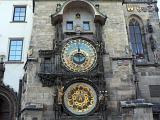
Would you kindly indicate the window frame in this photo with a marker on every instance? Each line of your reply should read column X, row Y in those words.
column 14, row 12
column 10, row 41
column 67, row 25
column 88, row 26
column 136, row 42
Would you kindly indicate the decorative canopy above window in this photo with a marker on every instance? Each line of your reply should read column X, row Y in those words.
column 58, row 16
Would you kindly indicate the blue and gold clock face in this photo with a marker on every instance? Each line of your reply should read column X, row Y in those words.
column 79, row 55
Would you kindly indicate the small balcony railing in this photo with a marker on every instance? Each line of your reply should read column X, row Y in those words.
column 49, row 72
column 49, row 68
column 58, row 70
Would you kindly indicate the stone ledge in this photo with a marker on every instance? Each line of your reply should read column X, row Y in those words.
column 14, row 62
column 147, row 65
column 33, row 107
column 135, row 103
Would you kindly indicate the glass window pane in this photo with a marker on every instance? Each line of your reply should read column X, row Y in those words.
column 132, row 37
column 69, row 25
column 15, row 50
column 13, row 42
column 131, row 29
column 86, row 26
column 19, row 42
column 18, row 52
column 12, row 53
column 140, row 47
column 19, row 48
column 21, row 19
column 137, row 29
column 134, row 48
column 22, row 14
column 23, row 9
column 18, row 58
column 139, row 38
column 16, row 18
column 16, row 14
column 139, row 44
column 17, row 9
column 135, row 37
column 19, row 14
column 12, row 57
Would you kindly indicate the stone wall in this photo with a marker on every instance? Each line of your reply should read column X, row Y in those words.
column 117, row 60
column 148, row 76
column 114, row 31
column 42, row 39
column 139, row 113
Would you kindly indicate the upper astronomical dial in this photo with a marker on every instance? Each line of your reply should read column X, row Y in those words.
column 79, row 55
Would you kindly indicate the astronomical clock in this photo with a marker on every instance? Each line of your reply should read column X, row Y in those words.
column 75, row 65
column 79, row 55
column 80, row 98
column 79, row 58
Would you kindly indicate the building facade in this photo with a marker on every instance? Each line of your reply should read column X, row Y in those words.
column 15, row 35
column 93, row 60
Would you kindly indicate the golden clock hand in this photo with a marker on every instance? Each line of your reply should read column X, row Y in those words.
column 78, row 48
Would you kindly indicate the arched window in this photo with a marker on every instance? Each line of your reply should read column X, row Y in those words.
column 136, row 38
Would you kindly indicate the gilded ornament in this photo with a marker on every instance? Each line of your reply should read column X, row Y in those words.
column 80, row 98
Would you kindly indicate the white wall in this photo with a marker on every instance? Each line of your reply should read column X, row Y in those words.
column 159, row 7
column 9, row 29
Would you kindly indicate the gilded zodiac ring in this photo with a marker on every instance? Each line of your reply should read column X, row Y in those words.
column 80, row 98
